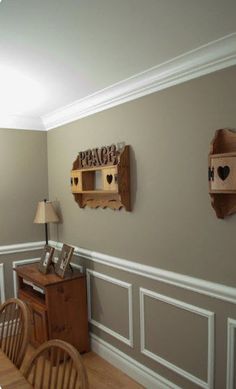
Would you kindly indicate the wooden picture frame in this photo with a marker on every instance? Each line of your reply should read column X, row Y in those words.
column 46, row 259
column 64, row 260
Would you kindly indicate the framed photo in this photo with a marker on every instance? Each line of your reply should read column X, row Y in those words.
column 64, row 260
column 46, row 259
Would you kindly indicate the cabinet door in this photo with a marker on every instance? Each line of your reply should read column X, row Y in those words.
column 67, row 313
column 39, row 333
column 38, row 319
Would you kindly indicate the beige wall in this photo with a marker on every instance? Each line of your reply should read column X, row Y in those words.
column 23, row 177
column 172, row 225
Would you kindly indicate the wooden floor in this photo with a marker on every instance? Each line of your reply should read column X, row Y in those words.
column 101, row 374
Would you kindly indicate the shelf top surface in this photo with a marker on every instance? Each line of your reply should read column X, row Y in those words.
column 31, row 273
column 94, row 168
column 97, row 191
column 223, row 155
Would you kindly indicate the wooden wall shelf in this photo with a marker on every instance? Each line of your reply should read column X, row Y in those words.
column 105, row 185
column 222, row 172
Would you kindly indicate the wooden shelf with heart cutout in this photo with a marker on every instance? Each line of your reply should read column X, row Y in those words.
column 222, row 172
column 101, row 178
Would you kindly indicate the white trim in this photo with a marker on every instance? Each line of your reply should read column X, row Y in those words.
column 208, row 58
column 191, row 308
column 208, row 288
column 140, row 373
column 122, row 284
column 2, row 284
column 76, row 266
column 230, row 353
column 19, row 122
column 213, row 56
column 21, row 247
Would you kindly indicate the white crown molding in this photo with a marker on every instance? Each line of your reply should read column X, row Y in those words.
column 2, row 284
column 18, row 122
column 21, row 247
column 140, row 373
column 122, row 284
column 209, row 384
column 213, row 56
column 208, row 288
column 205, row 59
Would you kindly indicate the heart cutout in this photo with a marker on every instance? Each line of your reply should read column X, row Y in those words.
column 76, row 180
column 71, row 181
column 109, row 178
column 223, row 172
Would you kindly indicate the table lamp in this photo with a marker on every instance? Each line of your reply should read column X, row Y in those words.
column 45, row 214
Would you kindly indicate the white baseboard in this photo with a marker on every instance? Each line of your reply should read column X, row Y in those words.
column 138, row 372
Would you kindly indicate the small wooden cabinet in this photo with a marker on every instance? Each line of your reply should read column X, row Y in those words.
column 58, row 306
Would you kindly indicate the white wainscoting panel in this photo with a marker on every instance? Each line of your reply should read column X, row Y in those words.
column 191, row 308
column 2, row 284
column 231, row 353
column 122, row 284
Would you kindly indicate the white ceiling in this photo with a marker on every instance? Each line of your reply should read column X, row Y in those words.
column 55, row 52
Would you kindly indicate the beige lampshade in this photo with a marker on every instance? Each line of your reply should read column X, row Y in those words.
column 45, row 213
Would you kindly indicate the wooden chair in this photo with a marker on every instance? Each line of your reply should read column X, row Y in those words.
column 56, row 364
column 14, row 330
